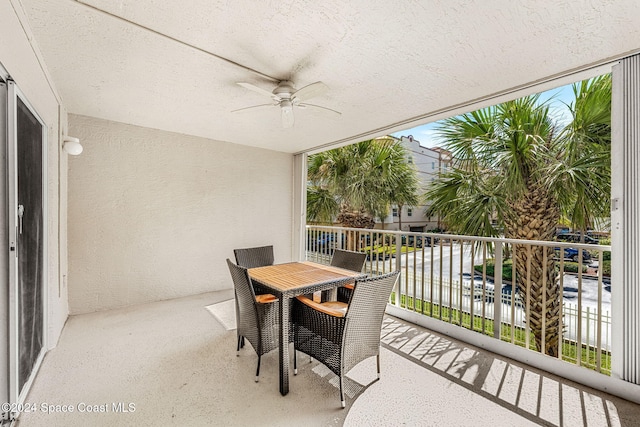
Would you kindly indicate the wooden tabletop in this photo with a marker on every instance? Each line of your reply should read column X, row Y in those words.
column 293, row 275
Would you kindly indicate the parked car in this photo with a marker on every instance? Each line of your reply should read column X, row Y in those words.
column 378, row 255
column 506, row 291
column 326, row 240
column 478, row 286
column 419, row 240
column 575, row 238
column 573, row 254
column 368, row 241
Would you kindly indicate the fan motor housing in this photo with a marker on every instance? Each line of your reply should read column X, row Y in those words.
column 284, row 89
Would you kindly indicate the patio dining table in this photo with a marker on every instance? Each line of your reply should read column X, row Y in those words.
column 289, row 280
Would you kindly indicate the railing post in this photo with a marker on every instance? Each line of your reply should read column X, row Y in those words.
column 398, row 268
column 497, row 289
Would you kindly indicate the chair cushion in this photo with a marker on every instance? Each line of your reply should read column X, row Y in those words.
column 317, row 296
column 332, row 308
column 266, row 298
column 336, row 305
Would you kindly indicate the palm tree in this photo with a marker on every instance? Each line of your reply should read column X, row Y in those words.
column 357, row 183
column 588, row 137
column 516, row 165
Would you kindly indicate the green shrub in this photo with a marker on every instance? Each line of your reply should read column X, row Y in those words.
column 606, row 268
column 572, row 267
column 507, row 273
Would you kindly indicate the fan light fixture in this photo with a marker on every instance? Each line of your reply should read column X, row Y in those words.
column 286, row 96
column 71, row 145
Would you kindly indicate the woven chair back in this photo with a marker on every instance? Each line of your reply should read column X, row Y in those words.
column 364, row 318
column 247, row 313
column 254, row 257
column 348, row 260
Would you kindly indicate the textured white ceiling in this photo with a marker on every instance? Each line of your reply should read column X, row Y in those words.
column 385, row 62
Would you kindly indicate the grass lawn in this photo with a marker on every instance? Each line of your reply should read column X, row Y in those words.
column 485, row 326
column 389, row 250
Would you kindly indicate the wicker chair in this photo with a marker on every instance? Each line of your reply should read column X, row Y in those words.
column 255, row 257
column 257, row 317
column 348, row 260
column 342, row 337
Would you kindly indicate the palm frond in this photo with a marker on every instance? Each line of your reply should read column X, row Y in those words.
column 367, row 176
column 322, row 206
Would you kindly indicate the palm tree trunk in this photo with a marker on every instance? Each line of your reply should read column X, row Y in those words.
column 354, row 219
column 535, row 216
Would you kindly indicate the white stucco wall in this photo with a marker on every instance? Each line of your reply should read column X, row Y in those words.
column 153, row 215
column 20, row 59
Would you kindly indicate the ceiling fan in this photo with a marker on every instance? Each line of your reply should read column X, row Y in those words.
column 286, row 96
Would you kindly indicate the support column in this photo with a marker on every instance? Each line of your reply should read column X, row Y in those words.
column 299, row 203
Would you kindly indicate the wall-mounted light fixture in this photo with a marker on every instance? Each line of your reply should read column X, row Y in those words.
column 71, row 145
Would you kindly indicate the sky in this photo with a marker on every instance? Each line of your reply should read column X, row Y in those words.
column 557, row 97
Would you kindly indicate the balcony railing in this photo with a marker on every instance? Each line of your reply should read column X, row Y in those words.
column 451, row 278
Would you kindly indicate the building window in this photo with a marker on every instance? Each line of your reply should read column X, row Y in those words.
column 433, row 165
column 394, row 211
column 409, row 212
column 409, row 159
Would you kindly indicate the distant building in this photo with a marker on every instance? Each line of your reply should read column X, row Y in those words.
column 429, row 163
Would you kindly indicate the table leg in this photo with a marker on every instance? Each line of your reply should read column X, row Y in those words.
column 284, row 345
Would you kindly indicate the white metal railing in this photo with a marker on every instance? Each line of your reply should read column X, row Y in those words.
column 447, row 277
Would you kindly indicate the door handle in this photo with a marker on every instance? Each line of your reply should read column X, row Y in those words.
column 20, row 215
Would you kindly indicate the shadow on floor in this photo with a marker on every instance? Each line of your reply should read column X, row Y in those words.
column 533, row 394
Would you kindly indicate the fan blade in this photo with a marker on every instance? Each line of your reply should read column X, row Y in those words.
column 326, row 111
column 258, row 90
column 309, row 91
column 254, row 107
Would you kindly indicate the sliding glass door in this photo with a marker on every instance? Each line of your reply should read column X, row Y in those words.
column 4, row 259
column 26, row 234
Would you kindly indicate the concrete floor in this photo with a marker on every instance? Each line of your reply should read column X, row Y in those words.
column 173, row 363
